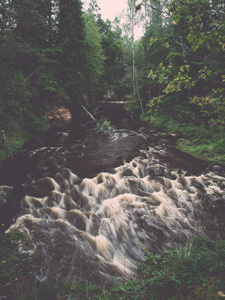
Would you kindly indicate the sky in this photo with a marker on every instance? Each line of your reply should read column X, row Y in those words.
column 112, row 8
column 109, row 8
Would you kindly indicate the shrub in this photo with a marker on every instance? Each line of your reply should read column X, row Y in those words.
column 103, row 125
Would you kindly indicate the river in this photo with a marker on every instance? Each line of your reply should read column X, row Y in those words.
column 87, row 201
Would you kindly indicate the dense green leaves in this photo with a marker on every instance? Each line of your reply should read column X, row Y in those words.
column 190, row 66
column 95, row 57
column 52, row 53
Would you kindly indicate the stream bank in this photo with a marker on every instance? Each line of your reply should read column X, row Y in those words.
column 89, row 199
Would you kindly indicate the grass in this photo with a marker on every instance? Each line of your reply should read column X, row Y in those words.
column 196, row 139
column 195, row 271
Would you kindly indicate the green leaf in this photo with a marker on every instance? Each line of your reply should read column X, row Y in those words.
column 190, row 37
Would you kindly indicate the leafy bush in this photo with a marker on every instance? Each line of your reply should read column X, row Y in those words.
column 103, row 125
column 186, row 271
column 34, row 125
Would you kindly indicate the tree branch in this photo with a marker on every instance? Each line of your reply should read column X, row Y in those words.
column 144, row 2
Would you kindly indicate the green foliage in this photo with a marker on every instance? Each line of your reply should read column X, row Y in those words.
column 111, row 42
column 51, row 53
column 197, row 139
column 212, row 106
column 95, row 57
column 132, row 105
column 195, row 271
column 11, row 258
column 15, row 143
column 186, row 271
column 184, row 67
column 35, row 126
column 103, row 125
column 83, row 290
column 204, row 21
column 11, row 143
column 72, row 59
column 42, row 291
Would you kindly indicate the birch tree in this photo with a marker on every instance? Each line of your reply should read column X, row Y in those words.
column 133, row 19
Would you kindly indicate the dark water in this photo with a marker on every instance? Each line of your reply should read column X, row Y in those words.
column 88, row 201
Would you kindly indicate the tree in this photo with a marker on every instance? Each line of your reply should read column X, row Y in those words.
column 111, row 42
column 152, row 48
column 20, row 52
column 95, row 57
column 94, row 10
column 73, row 64
column 132, row 20
column 193, row 71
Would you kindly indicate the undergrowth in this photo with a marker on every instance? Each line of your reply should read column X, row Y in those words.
column 196, row 138
column 195, row 271
column 103, row 125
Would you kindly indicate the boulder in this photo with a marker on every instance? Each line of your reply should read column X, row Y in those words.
column 127, row 172
column 155, row 171
column 6, row 195
column 218, row 170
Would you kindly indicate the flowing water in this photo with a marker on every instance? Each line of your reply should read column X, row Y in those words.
column 91, row 202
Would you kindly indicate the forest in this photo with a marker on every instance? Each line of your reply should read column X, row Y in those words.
column 54, row 53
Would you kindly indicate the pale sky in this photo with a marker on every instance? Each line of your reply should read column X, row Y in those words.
column 112, row 8
column 109, row 8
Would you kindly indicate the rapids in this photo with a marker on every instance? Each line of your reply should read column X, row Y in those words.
column 91, row 202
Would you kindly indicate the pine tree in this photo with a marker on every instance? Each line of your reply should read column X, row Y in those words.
column 95, row 57
column 73, row 69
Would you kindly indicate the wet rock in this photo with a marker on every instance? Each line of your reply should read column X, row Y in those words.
column 218, row 170
column 42, row 187
column 8, row 206
column 142, row 129
column 198, row 185
column 127, row 172
column 155, row 171
column 221, row 185
column 162, row 134
column 6, row 195
column 219, row 203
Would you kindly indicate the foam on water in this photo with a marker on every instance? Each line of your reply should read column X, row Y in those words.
column 93, row 228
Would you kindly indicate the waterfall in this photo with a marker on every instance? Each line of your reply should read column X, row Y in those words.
column 94, row 227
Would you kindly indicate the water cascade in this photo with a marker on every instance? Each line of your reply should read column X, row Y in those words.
column 94, row 227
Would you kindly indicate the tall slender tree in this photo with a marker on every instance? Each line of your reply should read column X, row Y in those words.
column 73, row 65
column 95, row 57
column 133, row 18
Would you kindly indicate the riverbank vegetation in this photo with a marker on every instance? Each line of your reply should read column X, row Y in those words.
column 174, row 73
column 53, row 53
column 180, row 70
column 195, row 271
